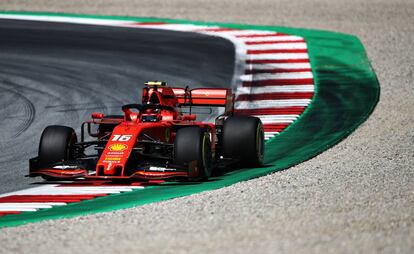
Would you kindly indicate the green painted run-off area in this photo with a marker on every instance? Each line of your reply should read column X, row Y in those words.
column 346, row 92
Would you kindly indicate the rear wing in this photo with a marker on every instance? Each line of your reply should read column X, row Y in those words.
column 211, row 97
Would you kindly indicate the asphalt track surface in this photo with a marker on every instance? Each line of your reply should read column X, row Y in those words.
column 357, row 197
column 55, row 73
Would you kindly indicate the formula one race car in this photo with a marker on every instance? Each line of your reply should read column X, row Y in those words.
column 153, row 140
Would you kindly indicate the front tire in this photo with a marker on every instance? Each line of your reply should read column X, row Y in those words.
column 192, row 144
column 56, row 145
column 243, row 139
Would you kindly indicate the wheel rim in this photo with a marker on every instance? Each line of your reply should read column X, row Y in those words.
column 205, row 155
column 259, row 142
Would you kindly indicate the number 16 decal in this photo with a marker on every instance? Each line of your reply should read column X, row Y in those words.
column 122, row 138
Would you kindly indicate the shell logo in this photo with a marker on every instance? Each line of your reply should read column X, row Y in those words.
column 118, row 147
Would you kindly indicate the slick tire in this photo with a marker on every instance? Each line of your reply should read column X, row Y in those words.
column 56, row 145
column 243, row 139
column 192, row 145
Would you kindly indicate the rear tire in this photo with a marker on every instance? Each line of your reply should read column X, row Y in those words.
column 56, row 145
column 193, row 144
column 243, row 139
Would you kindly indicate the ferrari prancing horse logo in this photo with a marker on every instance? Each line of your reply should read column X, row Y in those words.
column 167, row 135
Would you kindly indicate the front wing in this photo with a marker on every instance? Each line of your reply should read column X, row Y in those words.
column 148, row 172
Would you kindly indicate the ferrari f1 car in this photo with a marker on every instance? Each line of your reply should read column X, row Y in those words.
column 153, row 140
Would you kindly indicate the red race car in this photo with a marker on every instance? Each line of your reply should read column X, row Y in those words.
column 154, row 140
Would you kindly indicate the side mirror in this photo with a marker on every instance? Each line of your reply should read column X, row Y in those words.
column 191, row 117
column 96, row 115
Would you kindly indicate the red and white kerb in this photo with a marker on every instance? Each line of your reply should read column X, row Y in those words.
column 273, row 79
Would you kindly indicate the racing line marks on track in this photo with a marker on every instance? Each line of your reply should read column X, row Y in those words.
column 276, row 84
